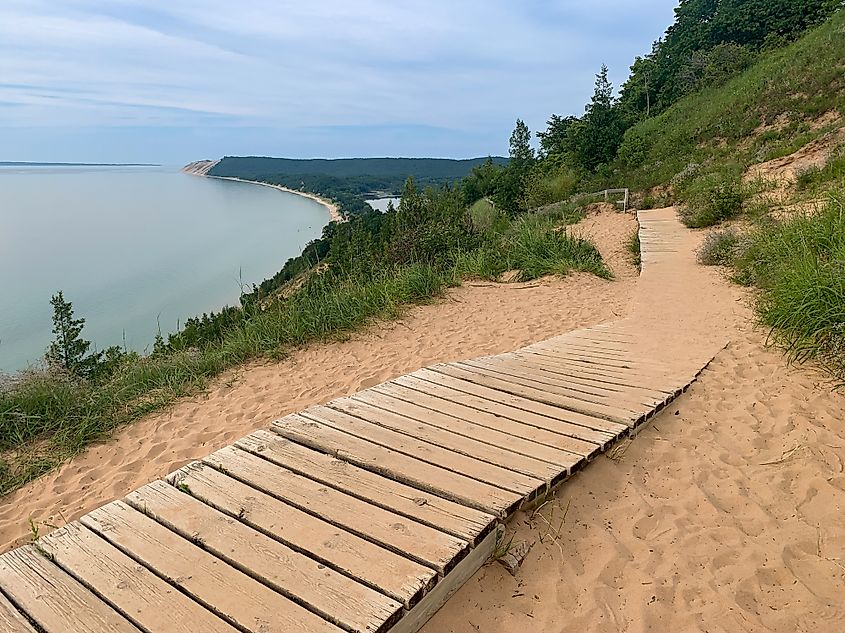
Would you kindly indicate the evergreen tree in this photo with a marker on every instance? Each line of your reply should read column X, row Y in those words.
column 521, row 152
column 599, row 133
column 68, row 350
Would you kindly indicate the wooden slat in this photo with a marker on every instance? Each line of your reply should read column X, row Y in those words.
column 386, row 397
column 335, row 597
column 404, row 536
column 630, row 377
column 229, row 593
column 594, row 350
column 536, row 429
column 11, row 620
column 422, row 446
column 408, row 470
column 429, row 605
column 592, row 395
column 629, row 399
column 580, row 376
column 447, row 516
column 586, row 337
column 152, row 604
column 574, row 423
column 52, row 598
column 445, row 438
column 535, row 414
column 641, row 368
column 517, row 388
column 368, row 563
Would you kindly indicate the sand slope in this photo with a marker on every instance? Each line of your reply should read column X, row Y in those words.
column 476, row 319
column 724, row 514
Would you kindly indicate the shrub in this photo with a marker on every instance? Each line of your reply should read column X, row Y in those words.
column 633, row 247
column 719, row 248
column 799, row 266
column 711, row 199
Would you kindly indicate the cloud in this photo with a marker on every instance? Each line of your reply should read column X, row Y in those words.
column 470, row 66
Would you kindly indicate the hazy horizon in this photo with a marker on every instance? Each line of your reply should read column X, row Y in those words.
column 144, row 81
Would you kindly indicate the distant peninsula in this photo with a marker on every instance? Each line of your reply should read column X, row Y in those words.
column 12, row 163
column 346, row 182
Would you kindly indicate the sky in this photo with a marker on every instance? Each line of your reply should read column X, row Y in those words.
column 171, row 81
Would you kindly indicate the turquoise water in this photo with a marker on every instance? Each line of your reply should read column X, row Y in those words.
column 134, row 248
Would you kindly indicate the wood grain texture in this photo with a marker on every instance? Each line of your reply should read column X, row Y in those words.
column 444, row 515
column 368, row 563
column 332, row 595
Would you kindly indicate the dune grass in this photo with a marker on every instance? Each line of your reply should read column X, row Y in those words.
column 48, row 417
column 799, row 266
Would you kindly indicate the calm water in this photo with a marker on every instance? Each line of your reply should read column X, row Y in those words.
column 133, row 247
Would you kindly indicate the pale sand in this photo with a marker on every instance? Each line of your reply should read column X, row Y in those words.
column 331, row 207
column 476, row 319
column 724, row 517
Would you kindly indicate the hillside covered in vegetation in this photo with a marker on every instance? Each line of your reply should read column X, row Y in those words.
column 349, row 181
column 733, row 87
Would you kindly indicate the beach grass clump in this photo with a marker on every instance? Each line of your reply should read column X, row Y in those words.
column 719, row 248
column 799, row 266
column 712, row 198
column 632, row 245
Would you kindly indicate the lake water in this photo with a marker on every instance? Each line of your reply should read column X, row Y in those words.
column 380, row 204
column 134, row 248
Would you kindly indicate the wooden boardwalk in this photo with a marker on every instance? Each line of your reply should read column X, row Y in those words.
column 367, row 513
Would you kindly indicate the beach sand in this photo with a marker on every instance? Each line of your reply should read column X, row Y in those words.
column 724, row 514
column 476, row 319
column 331, row 207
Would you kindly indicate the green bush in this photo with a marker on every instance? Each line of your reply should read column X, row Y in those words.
column 719, row 248
column 799, row 266
column 712, row 198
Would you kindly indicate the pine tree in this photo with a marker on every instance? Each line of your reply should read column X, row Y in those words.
column 68, row 350
column 521, row 152
column 599, row 133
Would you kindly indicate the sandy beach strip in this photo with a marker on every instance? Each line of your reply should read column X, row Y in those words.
column 333, row 209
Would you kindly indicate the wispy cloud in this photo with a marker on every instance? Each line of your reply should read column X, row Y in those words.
column 469, row 67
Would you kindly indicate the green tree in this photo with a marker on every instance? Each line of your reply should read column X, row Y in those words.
column 521, row 152
column 68, row 350
column 556, row 139
column 599, row 133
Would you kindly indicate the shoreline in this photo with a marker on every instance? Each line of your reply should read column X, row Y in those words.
column 331, row 207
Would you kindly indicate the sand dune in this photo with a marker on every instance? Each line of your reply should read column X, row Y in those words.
column 476, row 319
column 723, row 515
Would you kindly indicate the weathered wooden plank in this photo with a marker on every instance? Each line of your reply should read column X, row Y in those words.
column 586, row 337
column 394, row 575
column 596, row 395
column 625, row 397
column 428, row 606
column 11, row 620
column 147, row 600
column 581, row 376
column 419, row 542
column 523, row 424
column 446, row 439
column 52, row 598
column 231, row 594
column 408, row 470
column 447, row 516
column 497, row 403
column 593, row 350
column 585, row 426
column 630, row 376
column 641, row 368
column 335, row 597
column 424, row 445
column 398, row 399
column 515, row 387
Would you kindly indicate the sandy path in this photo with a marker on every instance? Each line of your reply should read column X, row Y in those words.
column 724, row 514
column 473, row 320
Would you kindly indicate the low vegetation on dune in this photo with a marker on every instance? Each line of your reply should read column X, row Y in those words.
column 368, row 268
column 731, row 85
